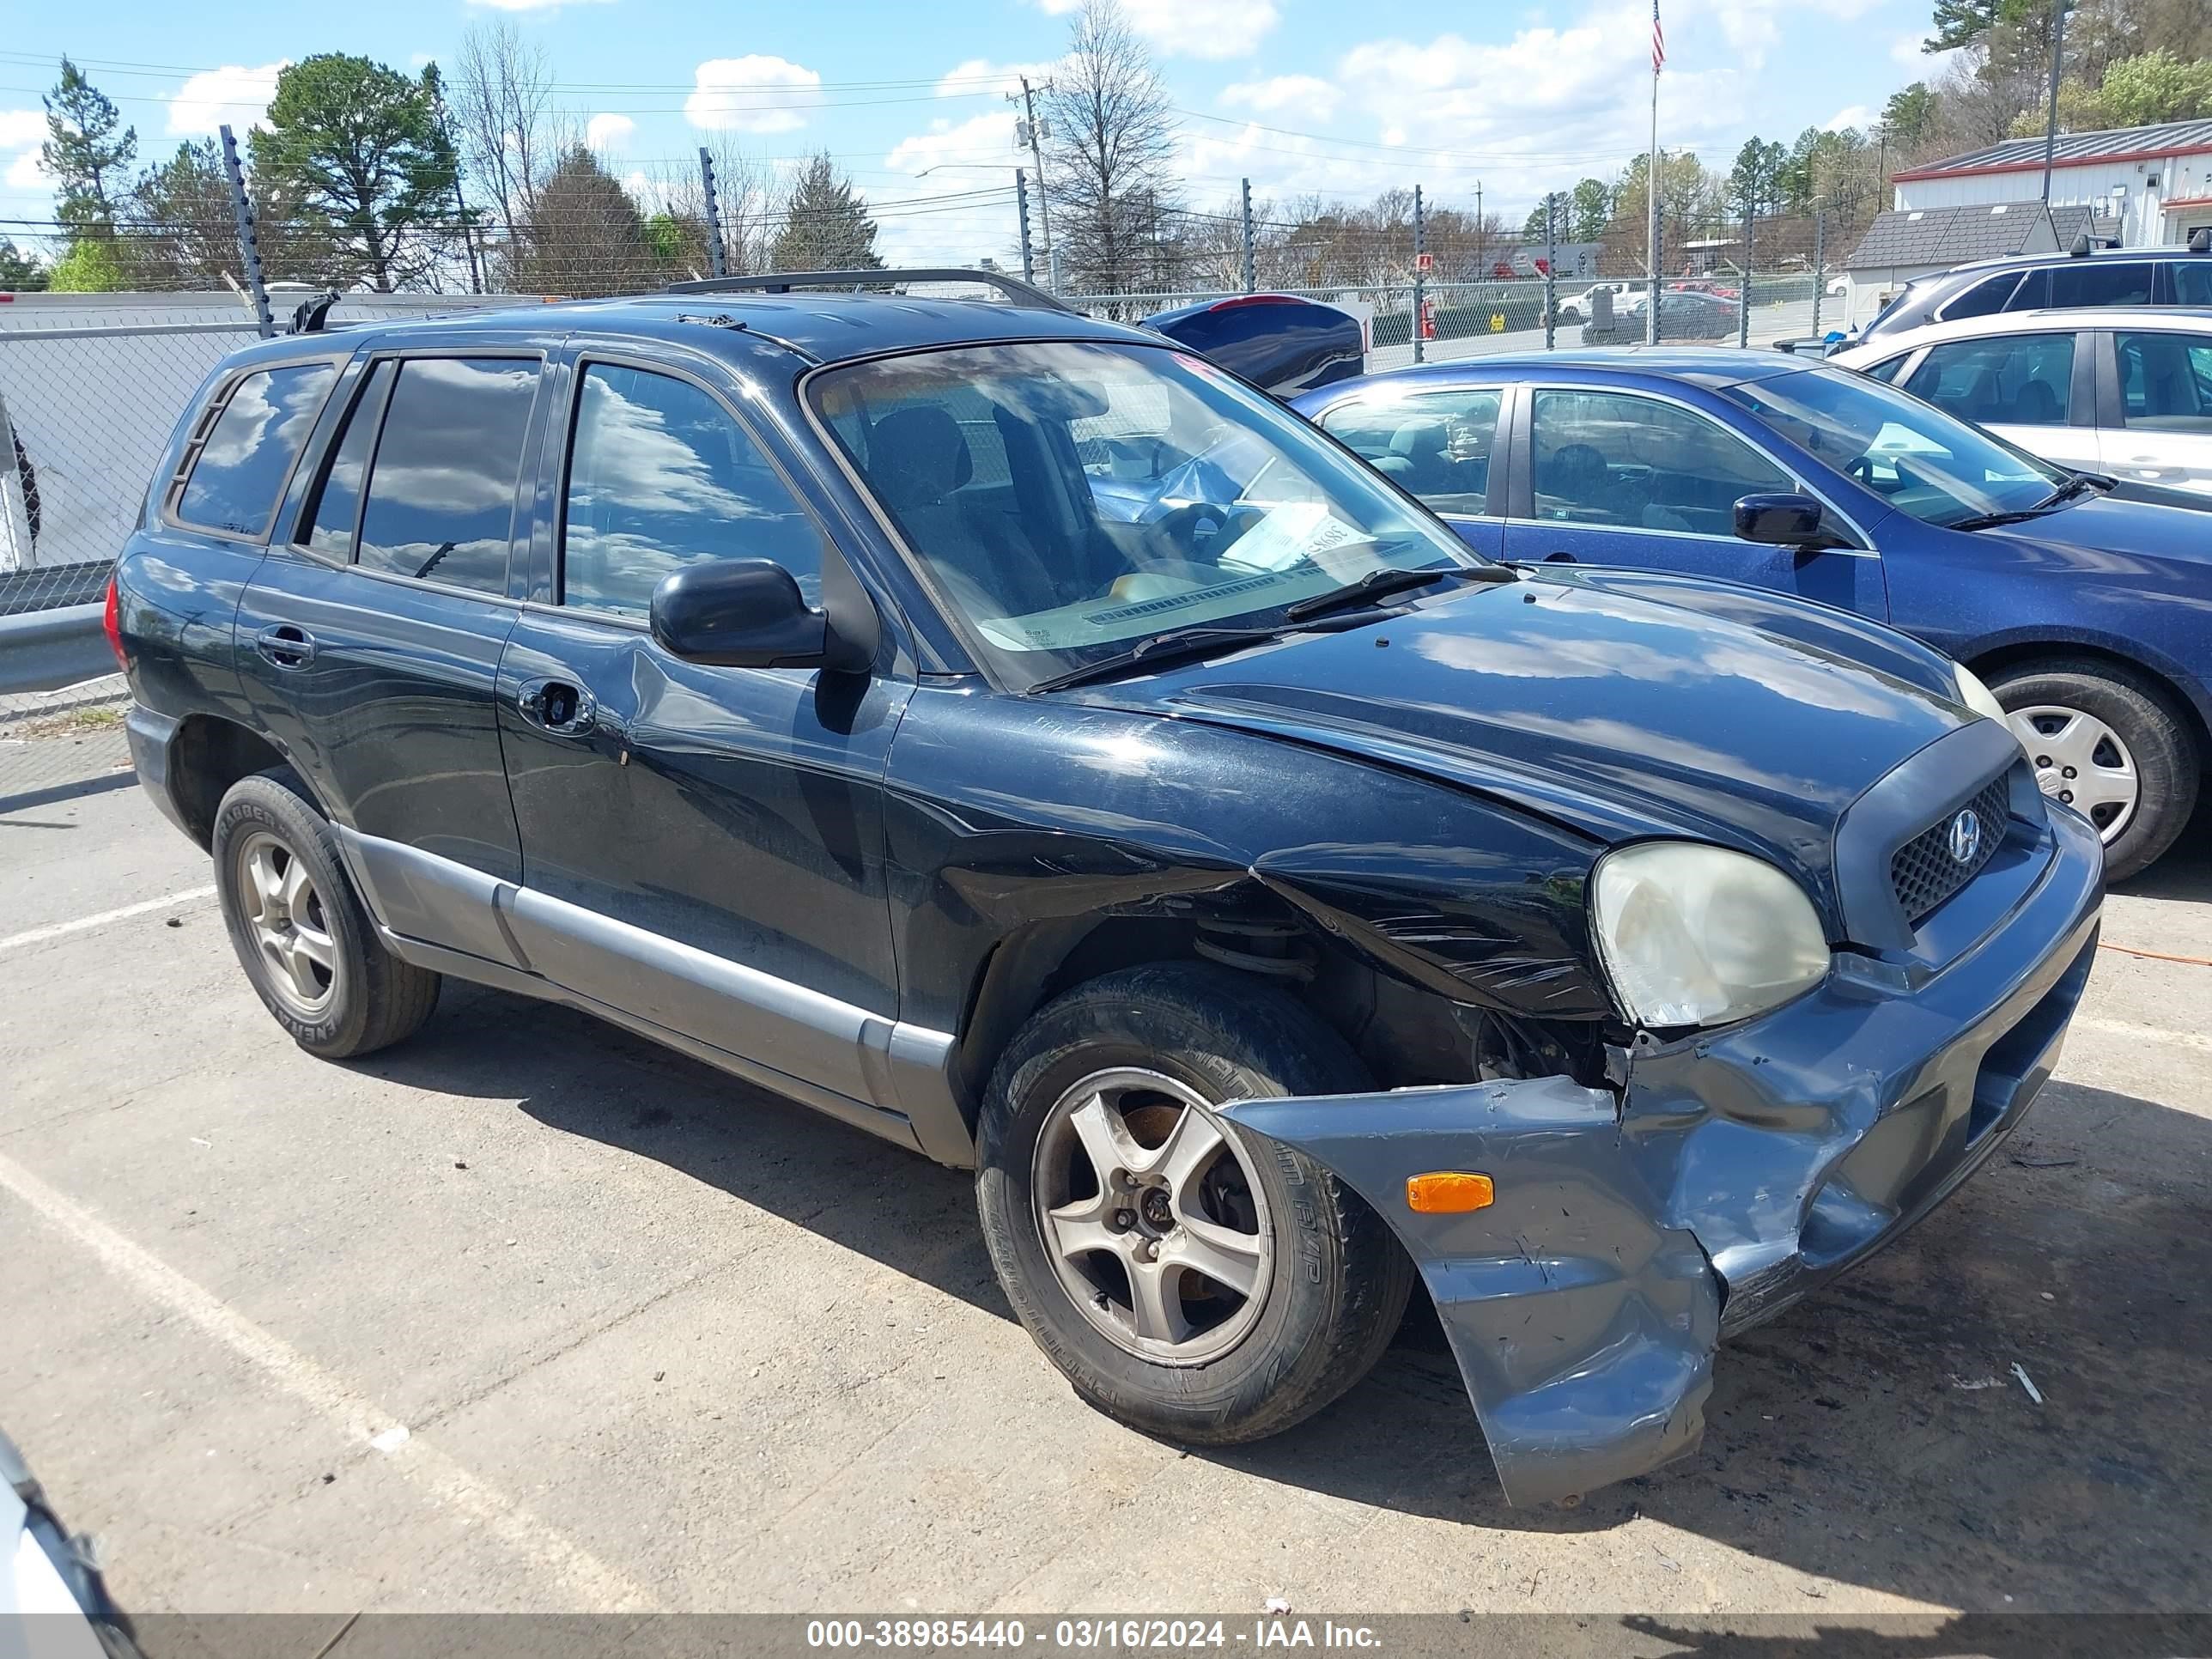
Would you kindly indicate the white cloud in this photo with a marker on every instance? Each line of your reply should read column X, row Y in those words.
column 1191, row 29
column 1851, row 119
column 962, row 158
column 981, row 74
column 19, row 127
column 1905, row 50
column 24, row 172
column 1308, row 96
column 520, row 5
column 609, row 131
column 232, row 95
column 751, row 94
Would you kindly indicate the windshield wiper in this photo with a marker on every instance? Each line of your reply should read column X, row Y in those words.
column 2075, row 482
column 1158, row 649
column 1393, row 578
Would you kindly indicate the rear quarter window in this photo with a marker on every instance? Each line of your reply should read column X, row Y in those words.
column 242, row 463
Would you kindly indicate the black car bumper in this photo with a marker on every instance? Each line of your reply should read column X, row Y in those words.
column 1735, row 1171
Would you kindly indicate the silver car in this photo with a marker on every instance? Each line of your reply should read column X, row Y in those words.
column 2124, row 391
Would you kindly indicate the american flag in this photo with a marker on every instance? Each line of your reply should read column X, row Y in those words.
column 1658, row 40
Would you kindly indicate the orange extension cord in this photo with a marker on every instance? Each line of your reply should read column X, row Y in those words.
column 2153, row 956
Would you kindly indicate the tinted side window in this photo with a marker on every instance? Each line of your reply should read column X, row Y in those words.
column 2020, row 380
column 248, row 455
column 441, row 490
column 1888, row 371
column 1984, row 299
column 338, row 504
column 1437, row 444
column 2033, row 293
column 2166, row 381
column 2192, row 282
column 659, row 477
column 1606, row 458
column 2094, row 281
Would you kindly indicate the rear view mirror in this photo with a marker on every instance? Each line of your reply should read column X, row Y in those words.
column 744, row 613
column 1781, row 520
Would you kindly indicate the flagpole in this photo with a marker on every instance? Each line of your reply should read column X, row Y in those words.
column 1651, row 195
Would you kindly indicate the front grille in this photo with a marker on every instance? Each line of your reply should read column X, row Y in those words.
column 1924, row 871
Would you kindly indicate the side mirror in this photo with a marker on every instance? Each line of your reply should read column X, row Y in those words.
column 746, row 613
column 1782, row 522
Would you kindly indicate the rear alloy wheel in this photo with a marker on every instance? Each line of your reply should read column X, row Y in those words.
column 2108, row 744
column 301, row 932
column 1189, row 1277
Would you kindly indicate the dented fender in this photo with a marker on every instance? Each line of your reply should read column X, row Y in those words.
column 1583, row 1327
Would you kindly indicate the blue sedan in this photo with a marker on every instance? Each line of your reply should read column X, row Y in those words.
column 2088, row 611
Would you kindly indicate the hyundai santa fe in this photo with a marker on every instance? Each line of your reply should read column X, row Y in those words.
column 1276, row 903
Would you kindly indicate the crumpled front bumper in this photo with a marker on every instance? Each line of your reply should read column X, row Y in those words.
column 1737, row 1170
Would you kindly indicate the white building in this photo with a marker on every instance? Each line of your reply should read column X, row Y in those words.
column 2156, row 181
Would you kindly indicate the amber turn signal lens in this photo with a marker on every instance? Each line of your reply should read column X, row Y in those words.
column 1447, row 1192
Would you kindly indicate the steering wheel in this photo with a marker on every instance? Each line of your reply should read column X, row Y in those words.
column 1193, row 532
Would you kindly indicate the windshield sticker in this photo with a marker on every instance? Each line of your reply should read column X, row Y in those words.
column 1301, row 530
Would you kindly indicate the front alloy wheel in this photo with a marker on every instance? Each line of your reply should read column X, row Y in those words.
column 1156, row 1221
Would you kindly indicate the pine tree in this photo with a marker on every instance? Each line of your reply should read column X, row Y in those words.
column 84, row 152
column 826, row 226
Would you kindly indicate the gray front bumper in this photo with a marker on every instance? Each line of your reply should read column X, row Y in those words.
column 1739, row 1170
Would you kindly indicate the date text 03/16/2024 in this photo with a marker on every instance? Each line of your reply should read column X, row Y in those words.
column 1085, row 1635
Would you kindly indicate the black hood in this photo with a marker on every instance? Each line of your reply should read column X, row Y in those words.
column 1618, row 714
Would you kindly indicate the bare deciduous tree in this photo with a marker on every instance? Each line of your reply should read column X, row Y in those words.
column 510, row 136
column 1113, row 138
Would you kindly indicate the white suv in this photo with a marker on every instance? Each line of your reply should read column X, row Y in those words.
column 2122, row 390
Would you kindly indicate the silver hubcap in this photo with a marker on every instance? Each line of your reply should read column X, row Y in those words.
column 285, row 918
column 1154, row 1216
column 2081, row 761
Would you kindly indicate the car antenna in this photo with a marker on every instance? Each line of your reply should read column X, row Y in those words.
column 2081, row 246
column 2200, row 241
column 310, row 314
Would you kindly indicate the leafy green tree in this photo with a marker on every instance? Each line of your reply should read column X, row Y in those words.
column 86, row 149
column 19, row 272
column 583, row 234
column 361, row 152
column 1593, row 209
column 90, row 267
column 826, row 226
column 1753, row 181
column 2151, row 86
column 1909, row 119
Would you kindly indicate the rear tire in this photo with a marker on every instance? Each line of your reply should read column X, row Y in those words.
column 1155, row 1047
column 300, row 931
column 2134, row 759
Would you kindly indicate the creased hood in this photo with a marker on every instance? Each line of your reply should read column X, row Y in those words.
column 1620, row 716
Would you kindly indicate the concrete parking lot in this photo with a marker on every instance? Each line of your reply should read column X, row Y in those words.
column 528, row 1314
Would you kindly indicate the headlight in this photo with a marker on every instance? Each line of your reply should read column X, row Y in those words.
column 1977, row 696
column 1696, row 935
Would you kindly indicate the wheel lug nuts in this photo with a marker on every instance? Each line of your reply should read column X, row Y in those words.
column 2066, row 795
column 2042, row 761
column 1123, row 1220
column 2069, row 772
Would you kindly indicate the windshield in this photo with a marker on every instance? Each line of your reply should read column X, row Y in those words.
column 1068, row 499
column 1912, row 454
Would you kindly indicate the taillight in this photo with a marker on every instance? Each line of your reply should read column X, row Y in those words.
column 110, row 623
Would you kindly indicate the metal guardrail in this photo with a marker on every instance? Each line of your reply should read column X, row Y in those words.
column 41, row 650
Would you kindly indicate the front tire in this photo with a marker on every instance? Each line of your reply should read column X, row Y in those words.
column 2110, row 745
column 1189, row 1277
column 300, row 931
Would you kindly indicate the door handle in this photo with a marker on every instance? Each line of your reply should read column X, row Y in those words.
column 286, row 646
column 558, row 707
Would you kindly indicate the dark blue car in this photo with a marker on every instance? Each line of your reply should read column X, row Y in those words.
column 2088, row 614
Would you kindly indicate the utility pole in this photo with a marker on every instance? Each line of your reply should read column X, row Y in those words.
column 1481, row 232
column 717, row 262
column 1036, row 155
column 1251, row 264
column 2050, row 124
column 1819, row 264
column 1743, row 297
column 1651, row 187
column 1022, row 204
column 249, row 245
column 1420, row 282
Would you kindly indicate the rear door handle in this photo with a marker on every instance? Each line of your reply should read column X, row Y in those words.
column 557, row 706
column 286, row 645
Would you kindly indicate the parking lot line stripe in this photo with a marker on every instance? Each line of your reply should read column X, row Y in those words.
column 2128, row 1027
column 60, row 929
column 596, row 1587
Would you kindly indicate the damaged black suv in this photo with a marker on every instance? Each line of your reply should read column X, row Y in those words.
column 1019, row 738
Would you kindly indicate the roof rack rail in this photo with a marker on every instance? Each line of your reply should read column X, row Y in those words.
column 1019, row 293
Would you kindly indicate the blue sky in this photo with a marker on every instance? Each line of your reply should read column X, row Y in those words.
column 1340, row 98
